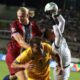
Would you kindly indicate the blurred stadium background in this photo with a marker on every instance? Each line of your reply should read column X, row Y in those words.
column 70, row 9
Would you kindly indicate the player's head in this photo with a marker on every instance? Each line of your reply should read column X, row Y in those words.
column 49, row 34
column 51, row 8
column 36, row 44
column 23, row 15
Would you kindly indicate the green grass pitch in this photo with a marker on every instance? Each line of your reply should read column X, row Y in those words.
column 4, row 71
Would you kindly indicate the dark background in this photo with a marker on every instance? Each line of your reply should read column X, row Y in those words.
column 40, row 3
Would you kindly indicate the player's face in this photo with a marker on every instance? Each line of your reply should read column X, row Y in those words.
column 22, row 17
column 50, row 35
column 36, row 48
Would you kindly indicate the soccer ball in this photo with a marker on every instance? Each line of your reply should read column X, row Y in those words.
column 51, row 7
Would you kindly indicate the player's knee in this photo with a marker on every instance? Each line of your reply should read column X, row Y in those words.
column 6, row 77
column 12, row 77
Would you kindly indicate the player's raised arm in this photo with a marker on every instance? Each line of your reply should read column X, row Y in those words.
column 53, row 12
column 61, row 25
column 58, row 36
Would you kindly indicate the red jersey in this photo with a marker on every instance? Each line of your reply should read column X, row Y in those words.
column 17, row 27
column 13, row 49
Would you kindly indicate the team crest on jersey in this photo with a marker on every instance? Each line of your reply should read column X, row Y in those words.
column 13, row 29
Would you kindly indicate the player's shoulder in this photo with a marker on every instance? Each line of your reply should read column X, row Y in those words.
column 46, row 44
column 33, row 23
column 14, row 22
column 28, row 49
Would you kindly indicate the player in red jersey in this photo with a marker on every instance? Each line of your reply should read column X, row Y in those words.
column 22, row 30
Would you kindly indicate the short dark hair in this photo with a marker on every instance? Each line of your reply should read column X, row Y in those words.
column 46, row 33
column 35, row 40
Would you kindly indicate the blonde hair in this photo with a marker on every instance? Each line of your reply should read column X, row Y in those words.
column 24, row 10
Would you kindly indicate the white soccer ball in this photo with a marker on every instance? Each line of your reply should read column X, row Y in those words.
column 51, row 7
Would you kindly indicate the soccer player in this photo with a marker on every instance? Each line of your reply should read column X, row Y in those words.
column 37, row 55
column 59, row 43
column 22, row 30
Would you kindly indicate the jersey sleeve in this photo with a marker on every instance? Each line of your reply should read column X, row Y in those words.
column 25, row 56
column 13, row 27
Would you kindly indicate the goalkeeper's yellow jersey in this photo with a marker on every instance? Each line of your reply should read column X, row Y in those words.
column 42, row 69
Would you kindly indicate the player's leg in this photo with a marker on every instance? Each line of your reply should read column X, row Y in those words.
column 9, row 60
column 66, row 73
column 13, row 77
column 21, row 75
column 55, row 74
